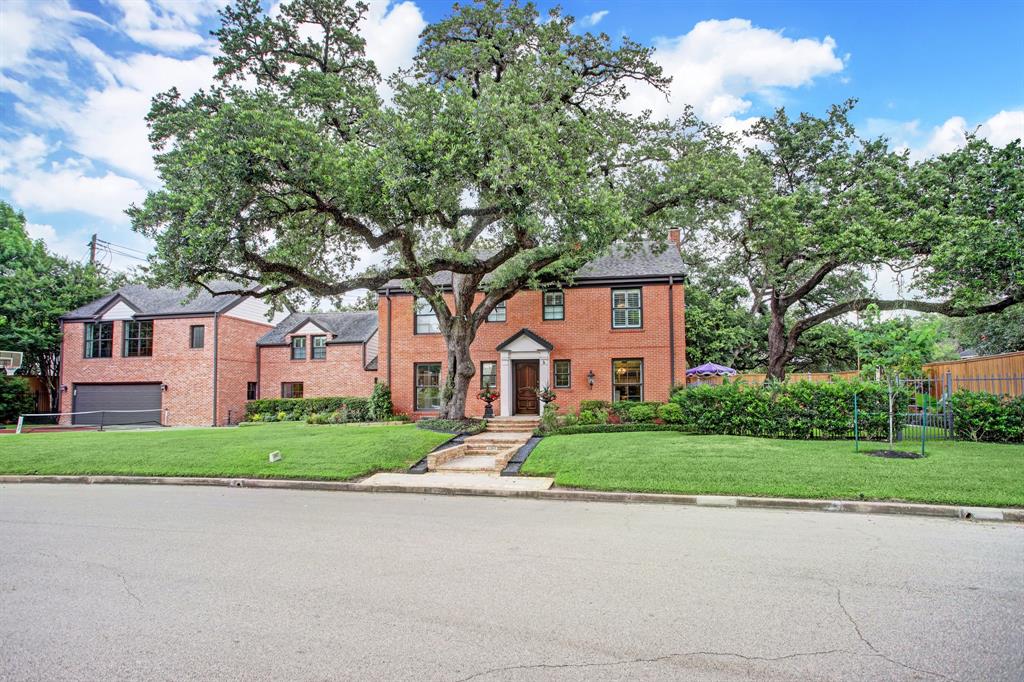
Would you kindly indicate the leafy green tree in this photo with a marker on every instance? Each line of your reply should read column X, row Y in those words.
column 818, row 207
column 36, row 288
column 504, row 158
column 366, row 302
column 991, row 334
column 900, row 346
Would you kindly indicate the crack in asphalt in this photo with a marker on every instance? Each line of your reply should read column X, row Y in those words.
column 879, row 654
column 112, row 569
column 655, row 659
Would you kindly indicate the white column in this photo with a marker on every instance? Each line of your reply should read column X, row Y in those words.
column 545, row 369
column 505, row 385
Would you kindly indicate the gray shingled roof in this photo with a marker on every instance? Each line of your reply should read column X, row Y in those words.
column 161, row 301
column 344, row 327
column 622, row 261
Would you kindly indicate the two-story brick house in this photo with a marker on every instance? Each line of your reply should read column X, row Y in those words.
column 144, row 355
column 617, row 332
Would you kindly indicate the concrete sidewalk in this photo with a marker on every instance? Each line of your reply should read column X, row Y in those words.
column 459, row 481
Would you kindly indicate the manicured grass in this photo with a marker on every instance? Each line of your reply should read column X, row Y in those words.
column 311, row 452
column 954, row 473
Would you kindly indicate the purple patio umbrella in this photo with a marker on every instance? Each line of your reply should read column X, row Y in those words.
column 710, row 369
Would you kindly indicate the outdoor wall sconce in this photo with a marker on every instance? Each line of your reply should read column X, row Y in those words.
column 163, row 387
column 63, row 388
column 590, row 378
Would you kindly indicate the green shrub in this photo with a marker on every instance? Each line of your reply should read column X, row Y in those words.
column 467, row 426
column 549, row 420
column 671, row 413
column 595, row 405
column 379, row 405
column 616, row 428
column 15, row 398
column 568, row 420
column 297, row 409
column 642, row 413
column 986, row 417
column 801, row 409
column 593, row 417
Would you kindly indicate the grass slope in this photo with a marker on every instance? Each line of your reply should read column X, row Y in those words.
column 953, row 473
column 310, row 452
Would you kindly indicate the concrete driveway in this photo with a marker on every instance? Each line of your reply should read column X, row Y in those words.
column 166, row 583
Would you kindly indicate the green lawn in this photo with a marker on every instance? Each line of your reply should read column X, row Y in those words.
column 955, row 473
column 312, row 452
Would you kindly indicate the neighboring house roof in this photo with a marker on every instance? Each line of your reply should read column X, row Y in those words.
column 536, row 338
column 343, row 327
column 637, row 261
column 157, row 301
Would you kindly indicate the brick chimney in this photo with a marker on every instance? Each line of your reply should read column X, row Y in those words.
column 673, row 235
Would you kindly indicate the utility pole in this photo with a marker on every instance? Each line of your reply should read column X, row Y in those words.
column 92, row 250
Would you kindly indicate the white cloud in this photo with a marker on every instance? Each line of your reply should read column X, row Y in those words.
column 593, row 19
column 30, row 27
column 169, row 25
column 719, row 64
column 999, row 129
column 392, row 33
column 41, row 231
column 68, row 185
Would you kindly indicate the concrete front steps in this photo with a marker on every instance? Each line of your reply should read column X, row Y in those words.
column 486, row 452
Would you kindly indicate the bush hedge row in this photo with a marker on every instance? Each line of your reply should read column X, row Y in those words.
column 798, row 410
column 986, row 417
column 298, row 409
column 614, row 428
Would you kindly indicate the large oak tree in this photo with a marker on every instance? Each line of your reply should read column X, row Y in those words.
column 504, row 158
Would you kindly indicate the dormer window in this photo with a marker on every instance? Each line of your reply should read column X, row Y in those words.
column 298, row 348
column 319, row 347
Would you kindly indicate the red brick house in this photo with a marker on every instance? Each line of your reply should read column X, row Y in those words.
column 185, row 361
column 617, row 332
column 319, row 354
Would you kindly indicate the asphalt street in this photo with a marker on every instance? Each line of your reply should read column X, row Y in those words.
column 173, row 583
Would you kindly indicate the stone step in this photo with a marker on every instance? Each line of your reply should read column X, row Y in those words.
column 471, row 463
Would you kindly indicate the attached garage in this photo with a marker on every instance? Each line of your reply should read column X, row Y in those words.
column 116, row 404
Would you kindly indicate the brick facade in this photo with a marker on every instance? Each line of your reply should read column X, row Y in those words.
column 340, row 374
column 186, row 372
column 585, row 337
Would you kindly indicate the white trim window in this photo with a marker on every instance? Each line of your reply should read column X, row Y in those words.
column 319, row 347
column 554, row 305
column 298, row 348
column 428, row 386
column 499, row 313
column 426, row 318
column 627, row 309
column 563, row 374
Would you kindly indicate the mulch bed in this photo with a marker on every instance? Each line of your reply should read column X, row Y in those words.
column 894, row 454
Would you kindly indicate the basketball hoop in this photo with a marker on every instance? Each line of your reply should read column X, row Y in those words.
column 10, row 361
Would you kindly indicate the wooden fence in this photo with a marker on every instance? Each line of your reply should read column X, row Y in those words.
column 999, row 374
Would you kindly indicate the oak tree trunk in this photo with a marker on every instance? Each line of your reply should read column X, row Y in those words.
column 779, row 350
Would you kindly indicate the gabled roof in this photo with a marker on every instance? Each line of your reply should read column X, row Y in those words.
column 541, row 341
column 343, row 327
column 640, row 261
column 156, row 301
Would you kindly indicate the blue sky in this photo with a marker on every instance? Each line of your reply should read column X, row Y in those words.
column 76, row 77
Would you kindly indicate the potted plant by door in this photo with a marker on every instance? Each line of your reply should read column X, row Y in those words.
column 488, row 395
column 545, row 396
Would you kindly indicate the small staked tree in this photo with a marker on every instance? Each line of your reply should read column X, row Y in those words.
column 503, row 159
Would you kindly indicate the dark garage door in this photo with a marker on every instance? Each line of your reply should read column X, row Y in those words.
column 113, row 399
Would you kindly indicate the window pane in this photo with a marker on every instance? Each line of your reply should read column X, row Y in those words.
column 298, row 348
column 250, row 391
column 627, row 311
column 562, row 374
column 499, row 313
column 488, row 374
column 319, row 347
column 426, row 318
column 428, row 382
column 627, row 380
column 198, row 336
column 138, row 339
column 554, row 305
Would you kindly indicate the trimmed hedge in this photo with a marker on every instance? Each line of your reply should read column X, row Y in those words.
column 298, row 409
column 987, row 417
column 614, row 428
column 15, row 398
column 798, row 410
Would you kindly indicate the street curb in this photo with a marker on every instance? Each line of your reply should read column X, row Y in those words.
column 567, row 494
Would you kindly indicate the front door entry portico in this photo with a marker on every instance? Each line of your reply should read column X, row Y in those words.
column 527, row 373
